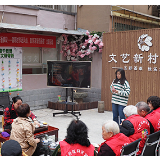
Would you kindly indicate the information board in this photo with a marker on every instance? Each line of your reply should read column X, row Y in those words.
column 11, row 69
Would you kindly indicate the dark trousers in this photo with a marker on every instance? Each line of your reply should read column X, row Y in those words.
column 37, row 151
column 118, row 114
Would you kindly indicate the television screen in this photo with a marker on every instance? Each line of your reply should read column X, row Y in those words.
column 71, row 74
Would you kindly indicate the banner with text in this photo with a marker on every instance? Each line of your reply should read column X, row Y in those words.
column 27, row 40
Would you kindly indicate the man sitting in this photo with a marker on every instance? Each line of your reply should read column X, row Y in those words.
column 152, row 116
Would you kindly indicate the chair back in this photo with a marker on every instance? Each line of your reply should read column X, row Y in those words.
column 4, row 101
column 151, row 145
column 131, row 149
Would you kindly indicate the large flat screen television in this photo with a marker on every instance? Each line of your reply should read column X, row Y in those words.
column 69, row 74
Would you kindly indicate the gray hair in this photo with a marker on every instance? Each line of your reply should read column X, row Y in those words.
column 130, row 110
column 143, row 106
column 111, row 126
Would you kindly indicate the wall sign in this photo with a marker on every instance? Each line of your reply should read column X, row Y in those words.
column 27, row 40
column 141, row 63
column 11, row 69
column 144, row 44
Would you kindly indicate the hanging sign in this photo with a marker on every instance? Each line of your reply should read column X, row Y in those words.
column 11, row 69
column 27, row 40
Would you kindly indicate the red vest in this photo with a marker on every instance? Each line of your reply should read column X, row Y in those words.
column 76, row 149
column 139, row 124
column 154, row 118
column 117, row 142
column 157, row 110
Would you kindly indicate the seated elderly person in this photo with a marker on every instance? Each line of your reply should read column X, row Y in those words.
column 152, row 116
column 133, row 125
column 114, row 141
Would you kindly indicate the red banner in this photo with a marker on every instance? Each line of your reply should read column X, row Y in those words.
column 27, row 40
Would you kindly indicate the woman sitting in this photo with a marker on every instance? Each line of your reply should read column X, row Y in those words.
column 154, row 103
column 113, row 140
column 76, row 142
column 23, row 131
column 10, row 113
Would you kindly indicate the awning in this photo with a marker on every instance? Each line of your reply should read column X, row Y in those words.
column 5, row 27
column 129, row 14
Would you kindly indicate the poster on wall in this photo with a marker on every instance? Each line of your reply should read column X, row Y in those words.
column 11, row 69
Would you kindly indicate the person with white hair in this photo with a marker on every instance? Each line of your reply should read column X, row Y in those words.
column 129, row 110
column 114, row 140
column 134, row 125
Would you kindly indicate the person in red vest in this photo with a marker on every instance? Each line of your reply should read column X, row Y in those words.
column 154, row 103
column 135, row 126
column 114, row 140
column 152, row 116
column 76, row 142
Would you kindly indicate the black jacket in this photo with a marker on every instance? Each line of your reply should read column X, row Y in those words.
column 127, row 128
column 105, row 150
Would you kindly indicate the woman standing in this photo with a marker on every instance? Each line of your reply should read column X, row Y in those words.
column 120, row 92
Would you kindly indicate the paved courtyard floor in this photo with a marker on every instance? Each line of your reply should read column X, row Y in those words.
column 90, row 117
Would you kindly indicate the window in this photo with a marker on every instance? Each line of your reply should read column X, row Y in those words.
column 124, row 24
column 125, row 27
column 35, row 59
column 66, row 8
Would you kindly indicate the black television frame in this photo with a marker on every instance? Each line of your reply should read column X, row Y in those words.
column 58, row 61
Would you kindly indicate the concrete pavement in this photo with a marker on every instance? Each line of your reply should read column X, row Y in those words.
column 90, row 117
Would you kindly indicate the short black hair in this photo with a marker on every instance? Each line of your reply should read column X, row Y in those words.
column 77, row 132
column 11, row 148
column 155, row 101
column 23, row 110
column 15, row 99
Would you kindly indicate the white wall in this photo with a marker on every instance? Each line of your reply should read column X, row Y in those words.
column 34, row 81
column 55, row 20
column 96, row 70
column 33, row 17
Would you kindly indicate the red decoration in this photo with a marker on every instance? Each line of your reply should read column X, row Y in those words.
column 27, row 40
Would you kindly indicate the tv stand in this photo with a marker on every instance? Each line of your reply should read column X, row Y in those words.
column 68, row 103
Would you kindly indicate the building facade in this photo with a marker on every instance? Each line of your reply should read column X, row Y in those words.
column 108, row 18
column 55, row 20
column 21, row 24
column 113, row 18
